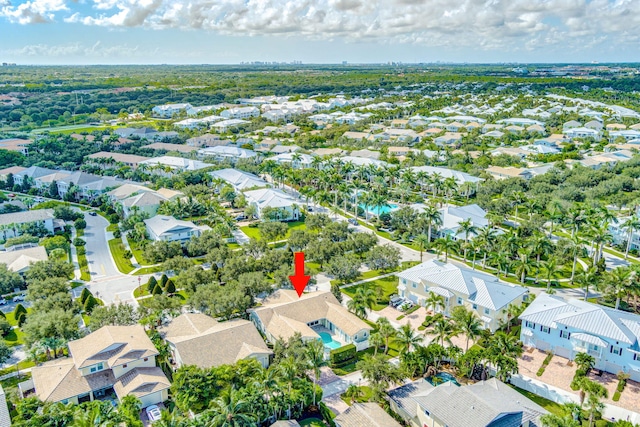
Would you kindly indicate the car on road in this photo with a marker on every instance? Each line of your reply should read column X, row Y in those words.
column 153, row 413
column 39, row 199
column 92, row 213
column 19, row 298
column 11, row 195
column 3, row 301
column 353, row 221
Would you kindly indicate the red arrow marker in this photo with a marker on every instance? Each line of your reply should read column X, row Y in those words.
column 299, row 280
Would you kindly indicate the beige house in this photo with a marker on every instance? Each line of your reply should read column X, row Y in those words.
column 117, row 159
column 499, row 172
column 365, row 414
column 200, row 340
column 20, row 260
column 315, row 316
column 481, row 293
column 118, row 360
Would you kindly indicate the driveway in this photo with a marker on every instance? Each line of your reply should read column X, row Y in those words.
column 98, row 255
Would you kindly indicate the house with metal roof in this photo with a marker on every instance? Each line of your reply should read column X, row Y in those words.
column 481, row 293
column 264, row 198
column 169, row 229
column 239, row 180
column 118, row 360
column 483, row 404
column 365, row 414
column 569, row 327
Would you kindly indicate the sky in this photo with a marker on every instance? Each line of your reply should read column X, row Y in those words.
column 318, row 31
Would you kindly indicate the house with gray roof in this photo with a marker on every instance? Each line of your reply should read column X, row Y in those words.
column 481, row 293
column 365, row 414
column 169, row 229
column 287, row 206
column 13, row 224
column 488, row 403
column 569, row 327
column 239, row 180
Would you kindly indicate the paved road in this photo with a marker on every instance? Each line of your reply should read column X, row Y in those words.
column 98, row 255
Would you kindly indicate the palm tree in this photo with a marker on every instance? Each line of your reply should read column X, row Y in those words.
column 434, row 301
column 467, row 228
column 230, row 410
column 444, row 330
column 595, row 406
column 468, row 323
column 314, row 352
column 363, row 299
column 386, row 331
column 422, row 240
column 618, row 281
column 487, row 237
column 585, row 362
column 550, row 271
column 631, row 225
column 431, row 215
column 523, row 267
column 407, row 338
column 376, row 341
column 446, row 244
column 586, row 278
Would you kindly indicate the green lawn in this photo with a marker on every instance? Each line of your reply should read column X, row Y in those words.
column 386, row 285
column 553, row 407
column 83, row 263
column 366, row 394
column 138, row 253
column 312, row 422
column 117, row 250
column 254, row 232
column 148, row 270
column 112, row 227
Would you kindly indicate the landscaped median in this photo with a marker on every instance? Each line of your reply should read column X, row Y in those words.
column 118, row 252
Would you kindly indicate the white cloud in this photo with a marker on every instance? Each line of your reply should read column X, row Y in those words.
column 31, row 12
column 486, row 24
column 97, row 50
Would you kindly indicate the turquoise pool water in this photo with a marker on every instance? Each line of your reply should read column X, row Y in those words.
column 443, row 377
column 378, row 210
column 328, row 341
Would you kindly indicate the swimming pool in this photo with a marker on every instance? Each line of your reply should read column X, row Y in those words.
column 443, row 377
column 378, row 210
column 328, row 341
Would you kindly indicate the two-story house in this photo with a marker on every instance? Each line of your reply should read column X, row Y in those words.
column 169, row 229
column 275, row 199
column 481, row 293
column 13, row 224
column 569, row 327
column 314, row 316
column 114, row 360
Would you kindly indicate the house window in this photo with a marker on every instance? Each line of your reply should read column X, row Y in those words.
column 565, row 334
column 459, row 301
column 530, row 324
column 616, row 350
column 427, row 413
column 635, row 356
column 124, row 366
column 475, row 306
column 98, row 367
column 487, row 311
column 145, row 359
column 404, row 281
column 545, row 329
column 414, row 285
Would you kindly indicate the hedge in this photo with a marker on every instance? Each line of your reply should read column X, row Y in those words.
column 342, row 356
column 151, row 284
column 86, row 293
column 19, row 309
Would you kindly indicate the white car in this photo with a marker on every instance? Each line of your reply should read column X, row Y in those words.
column 153, row 413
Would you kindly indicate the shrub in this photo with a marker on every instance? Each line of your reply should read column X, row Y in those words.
column 117, row 234
column 170, row 288
column 163, row 280
column 90, row 304
column 2, row 315
column 5, row 327
column 21, row 318
column 86, row 293
column 19, row 309
column 127, row 254
column 114, row 218
column 151, row 284
column 616, row 396
column 157, row 290
column 79, row 242
column 80, row 224
column 343, row 355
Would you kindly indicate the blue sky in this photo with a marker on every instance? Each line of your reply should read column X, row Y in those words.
column 318, row 31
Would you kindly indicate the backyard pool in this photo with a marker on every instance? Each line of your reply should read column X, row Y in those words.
column 328, row 341
column 377, row 210
column 442, row 377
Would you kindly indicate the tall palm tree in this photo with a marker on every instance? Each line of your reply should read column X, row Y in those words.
column 314, row 352
column 446, row 244
column 586, row 278
column 517, row 198
column 422, row 240
column 363, row 299
column 376, row 341
column 618, row 281
column 431, row 215
column 468, row 323
column 386, row 331
column 467, row 228
column 444, row 330
column 231, row 410
column 407, row 338
column 487, row 238
column 434, row 301
column 550, row 270
column 631, row 225
column 523, row 267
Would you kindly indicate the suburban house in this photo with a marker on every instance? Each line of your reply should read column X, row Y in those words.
column 13, row 224
column 239, row 180
column 481, row 293
column 200, row 340
column 452, row 216
column 569, row 327
column 276, row 199
column 620, row 234
column 489, row 403
column 583, row 132
column 114, row 360
column 240, row 113
column 169, row 110
column 499, row 172
column 627, row 135
column 226, row 152
column 144, row 202
column 315, row 316
column 20, row 260
column 15, row 144
column 296, row 160
column 165, row 146
column 169, row 229
column 109, row 160
column 444, row 173
column 365, row 414
column 167, row 164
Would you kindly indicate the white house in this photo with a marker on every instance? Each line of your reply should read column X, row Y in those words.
column 222, row 152
column 583, row 132
column 569, row 327
column 452, row 216
column 240, row 113
column 169, row 110
column 239, row 180
column 296, row 160
column 12, row 224
column 275, row 199
column 172, row 163
column 483, row 294
column 169, row 229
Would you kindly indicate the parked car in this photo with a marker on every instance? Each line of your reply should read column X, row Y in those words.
column 240, row 217
column 19, row 298
column 3, row 301
column 11, row 195
column 39, row 199
column 353, row 221
column 92, row 213
column 153, row 413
